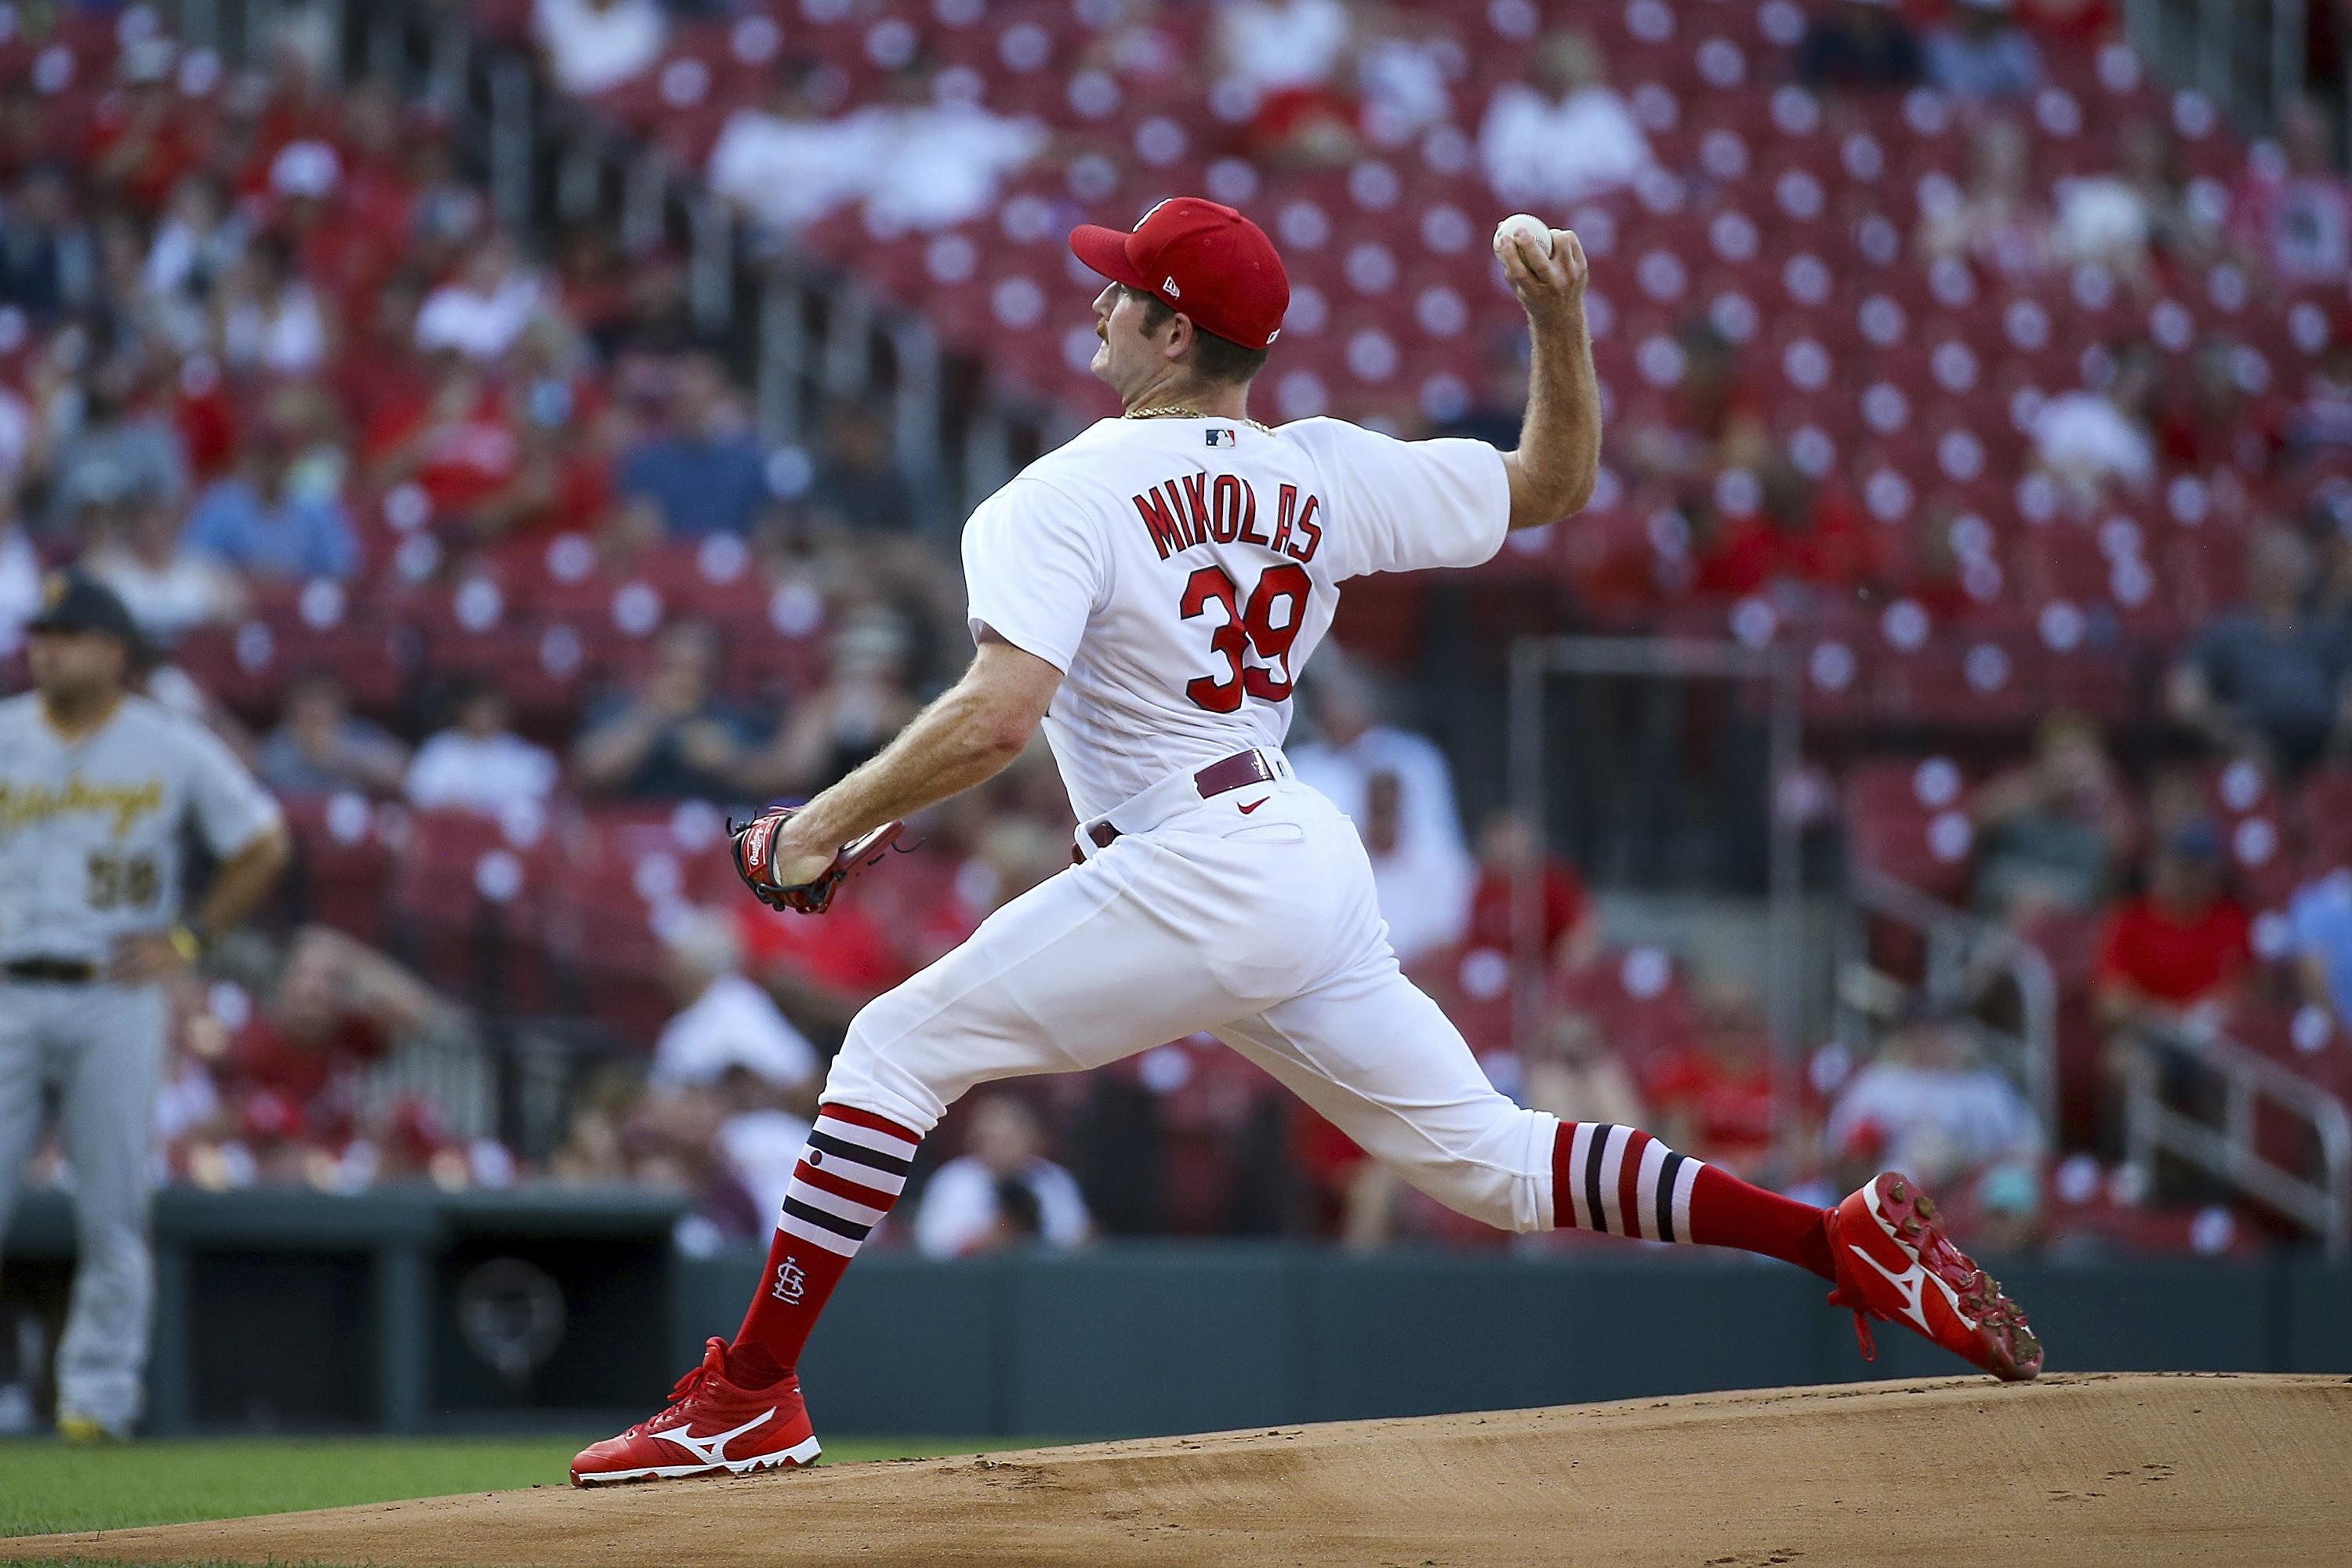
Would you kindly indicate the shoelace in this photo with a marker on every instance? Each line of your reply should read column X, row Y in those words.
column 713, row 1361
column 1842, row 1297
column 1848, row 1296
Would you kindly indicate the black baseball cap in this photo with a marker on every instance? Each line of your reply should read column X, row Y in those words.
column 74, row 600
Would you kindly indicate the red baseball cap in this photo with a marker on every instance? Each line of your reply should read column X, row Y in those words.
column 1198, row 258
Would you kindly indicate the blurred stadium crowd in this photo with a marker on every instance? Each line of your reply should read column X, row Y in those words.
column 1942, row 343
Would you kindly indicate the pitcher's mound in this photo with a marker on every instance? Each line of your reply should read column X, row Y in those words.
column 2071, row 1471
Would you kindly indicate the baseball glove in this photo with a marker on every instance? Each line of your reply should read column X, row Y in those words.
column 755, row 844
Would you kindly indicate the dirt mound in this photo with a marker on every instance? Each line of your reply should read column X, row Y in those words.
column 2072, row 1471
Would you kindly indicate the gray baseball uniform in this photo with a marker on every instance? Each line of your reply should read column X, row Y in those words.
column 90, row 852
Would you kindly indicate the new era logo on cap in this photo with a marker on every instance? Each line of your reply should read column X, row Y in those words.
column 1203, row 259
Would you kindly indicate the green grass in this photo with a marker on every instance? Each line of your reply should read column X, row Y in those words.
column 47, row 1488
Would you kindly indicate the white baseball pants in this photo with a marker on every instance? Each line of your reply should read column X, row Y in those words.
column 1249, row 915
column 100, row 1049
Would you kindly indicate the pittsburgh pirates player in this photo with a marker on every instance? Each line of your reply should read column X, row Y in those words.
column 96, row 786
column 1149, row 593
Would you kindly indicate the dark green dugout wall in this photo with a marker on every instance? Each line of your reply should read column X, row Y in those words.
column 420, row 1310
column 1173, row 1339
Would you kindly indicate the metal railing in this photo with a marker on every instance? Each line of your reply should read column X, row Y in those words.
column 1967, row 960
column 1666, row 662
column 2228, row 1148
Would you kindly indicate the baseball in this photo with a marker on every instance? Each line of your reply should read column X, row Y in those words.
column 1535, row 228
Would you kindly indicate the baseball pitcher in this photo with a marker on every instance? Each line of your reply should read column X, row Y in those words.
column 1148, row 594
column 96, row 787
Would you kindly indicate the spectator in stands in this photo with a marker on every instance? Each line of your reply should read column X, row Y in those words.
column 592, row 1153
column 450, row 432
column 1567, row 136
column 1272, row 45
column 2208, row 421
column 2051, row 833
column 321, row 746
column 169, row 585
column 478, row 763
column 1930, row 1105
column 296, row 1065
column 941, row 159
column 262, row 521
column 762, row 1135
column 1858, row 46
column 788, row 162
column 1981, row 53
column 196, row 241
column 2321, row 422
column 1573, row 1074
column 1510, row 847
column 269, row 317
column 2269, row 681
column 724, row 1021
column 2089, row 439
column 1713, row 418
column 863, row 701
column 858, row 483
column 673, row 738
column 591, row 46
column 2001, row 223
column 1713, row 1091
column 482, row 311
column 1399, row 789
column 675, row 1141
column 48, row 263
column 704, row 468
column 2319, row 936
column 1406, row 65
column 2174, row 949
column 2292, row 213
column 117, row 446
column 913, row 162
column 1003, row 1194
column 2121, row 218
column 822, row 968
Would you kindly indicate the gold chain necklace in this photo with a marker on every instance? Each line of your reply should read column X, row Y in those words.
column 1172, row 412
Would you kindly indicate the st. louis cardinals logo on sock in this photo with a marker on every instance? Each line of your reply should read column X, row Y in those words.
column 792, row 1280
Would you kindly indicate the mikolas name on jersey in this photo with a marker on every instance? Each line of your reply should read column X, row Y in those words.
column 1198, row 508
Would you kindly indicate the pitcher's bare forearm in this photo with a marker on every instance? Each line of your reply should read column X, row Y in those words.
column 967, row 737
column 244, row 880
column 1558, row 458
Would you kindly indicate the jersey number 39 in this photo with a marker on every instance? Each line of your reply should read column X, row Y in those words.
column 1266, row 625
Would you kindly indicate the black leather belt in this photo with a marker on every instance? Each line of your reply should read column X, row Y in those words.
column 51, row 971
column 1239, row 771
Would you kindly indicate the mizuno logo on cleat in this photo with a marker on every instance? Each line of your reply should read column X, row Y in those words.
column 712, row 1450
column 1912, row 1282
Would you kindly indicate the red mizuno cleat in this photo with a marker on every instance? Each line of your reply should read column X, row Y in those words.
column 711, row 1427
column 1894, row 1261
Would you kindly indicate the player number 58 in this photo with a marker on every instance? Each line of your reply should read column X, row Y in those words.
column 122, row 879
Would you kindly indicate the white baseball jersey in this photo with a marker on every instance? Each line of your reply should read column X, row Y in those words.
column 1180, row 573
column 89, row 829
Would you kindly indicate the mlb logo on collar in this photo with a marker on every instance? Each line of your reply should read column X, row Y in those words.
column 1222, row 436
